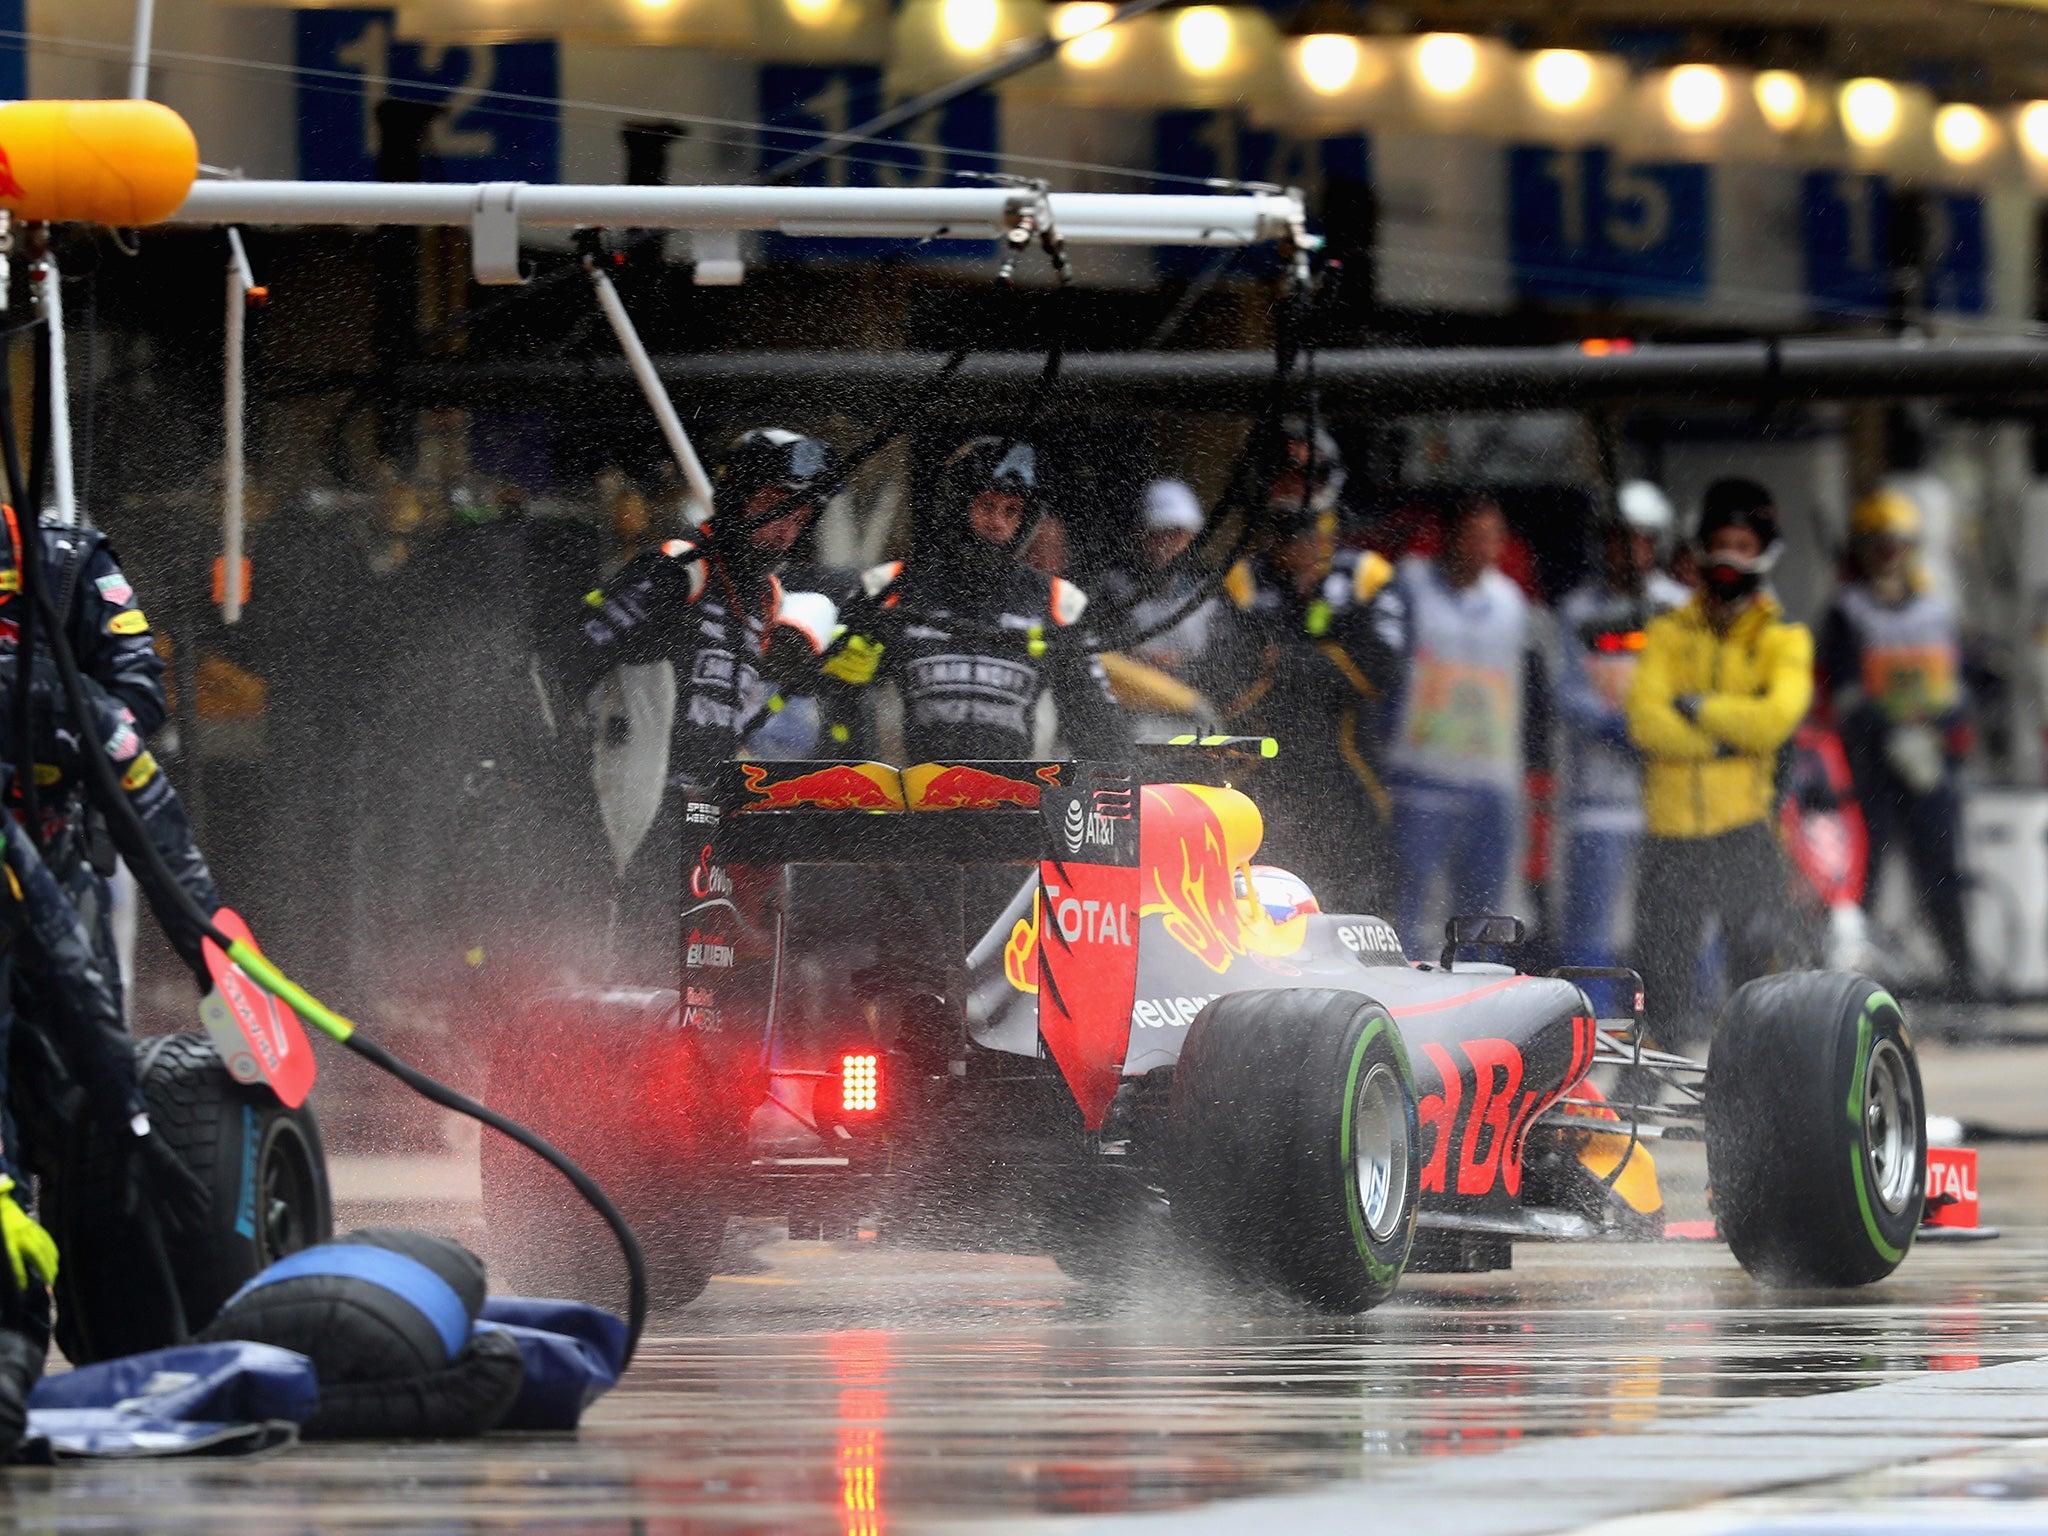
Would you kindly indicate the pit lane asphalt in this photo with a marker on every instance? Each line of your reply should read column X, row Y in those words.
column 860, row 1390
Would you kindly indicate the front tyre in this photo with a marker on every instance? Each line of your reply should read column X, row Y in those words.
column 1293, row 1115
column 1816, row 1130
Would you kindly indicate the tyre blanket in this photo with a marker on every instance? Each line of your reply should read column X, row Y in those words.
column 216, row 1399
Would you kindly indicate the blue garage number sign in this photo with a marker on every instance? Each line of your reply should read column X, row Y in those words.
column 1204, row 145
column 803, row 103
column 499, row 120
column 1850, row 225
column 1586, row 224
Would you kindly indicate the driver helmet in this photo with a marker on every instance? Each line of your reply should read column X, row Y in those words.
column 1319, row 454
column 1284, row 895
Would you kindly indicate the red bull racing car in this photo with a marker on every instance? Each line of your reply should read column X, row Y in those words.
column 1159, row 1028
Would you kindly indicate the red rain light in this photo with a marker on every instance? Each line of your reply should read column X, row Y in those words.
column 860, row 1084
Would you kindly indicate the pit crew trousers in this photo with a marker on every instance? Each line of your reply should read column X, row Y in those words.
column 1737, row 877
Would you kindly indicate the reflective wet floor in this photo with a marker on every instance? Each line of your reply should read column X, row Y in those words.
column 857, row 1389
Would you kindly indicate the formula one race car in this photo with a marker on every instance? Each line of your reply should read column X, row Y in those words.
column 1158, row 1026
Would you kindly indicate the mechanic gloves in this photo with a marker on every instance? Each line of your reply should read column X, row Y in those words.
column 855, row 661
column 28, row 1245
column 175, row 1191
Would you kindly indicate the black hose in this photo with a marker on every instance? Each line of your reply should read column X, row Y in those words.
column 168, row 894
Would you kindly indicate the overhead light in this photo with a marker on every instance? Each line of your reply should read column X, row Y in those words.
column 1447, row 63
column 1696, row 97
column 1329, row 62
column 1963, row 133
column 1870, row 112
column 1081, row 23
column 1202, row 37
column 813, row 13
column 969, row 25
column 2033, row 126
column 1563, row 78
column 1781, row 97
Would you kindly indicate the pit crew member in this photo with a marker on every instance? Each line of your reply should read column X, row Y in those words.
column 1721, row 684
column 972, row 637
column 1317, row 656
column 1600, row 628
column 1457, row 751
column 1890, row 658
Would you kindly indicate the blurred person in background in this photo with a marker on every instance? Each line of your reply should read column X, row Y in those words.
column 1721, row 684
column 1600, row 635
column 1890, row 661
column 1163, row 679
column 1455, row 760
column 1314, row 656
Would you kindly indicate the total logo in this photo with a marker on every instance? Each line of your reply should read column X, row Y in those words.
column 709, row 950
column 709, row 879
column 1092, row 922
column 1169, row 1012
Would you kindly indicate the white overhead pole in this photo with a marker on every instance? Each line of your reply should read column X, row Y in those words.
column 138, row 53
column 47, row 284
column 679, row 443
column 241, row 283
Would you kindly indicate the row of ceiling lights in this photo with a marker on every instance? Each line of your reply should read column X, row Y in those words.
column 1213, row 55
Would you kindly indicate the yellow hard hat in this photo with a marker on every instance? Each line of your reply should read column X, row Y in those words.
column 1890, row 513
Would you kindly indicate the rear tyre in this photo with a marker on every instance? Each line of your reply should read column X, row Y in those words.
column 614, row 1081
column 1816, row 1131
column 1293, row 1115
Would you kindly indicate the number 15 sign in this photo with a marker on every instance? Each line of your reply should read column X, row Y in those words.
column 1585, row 224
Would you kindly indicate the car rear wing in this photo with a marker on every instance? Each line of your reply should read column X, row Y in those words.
column 838, row 811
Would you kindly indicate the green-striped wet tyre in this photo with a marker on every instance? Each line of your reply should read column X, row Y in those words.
column 1294, row 1132
column 1816, row 1129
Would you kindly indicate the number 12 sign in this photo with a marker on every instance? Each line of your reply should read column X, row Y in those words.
column 1585, row 224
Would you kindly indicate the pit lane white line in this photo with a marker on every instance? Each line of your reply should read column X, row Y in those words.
column 1569, row 1485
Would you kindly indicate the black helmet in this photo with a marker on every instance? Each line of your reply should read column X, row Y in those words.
column 984, row 464
column 1318, row 454
column 1737, row 503
column 773, row 458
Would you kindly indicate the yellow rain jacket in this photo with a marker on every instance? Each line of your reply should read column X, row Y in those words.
column 1754, row 683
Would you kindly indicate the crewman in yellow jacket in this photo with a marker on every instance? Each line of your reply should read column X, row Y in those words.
column 1722, row 683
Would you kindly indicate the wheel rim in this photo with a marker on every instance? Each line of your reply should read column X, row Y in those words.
column 287, row 1194
column 1379, row 1150
column 1890, row 1118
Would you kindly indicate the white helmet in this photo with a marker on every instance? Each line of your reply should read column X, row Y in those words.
column 1646, row 509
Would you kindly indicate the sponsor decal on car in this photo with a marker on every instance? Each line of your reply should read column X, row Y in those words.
column 698, row 1002
column 1090, row 921
column 837, row 787
column 1020, row 953
column 699, row 814
column 708, row 950
column 708, row 879
column 1169, row 1012
column 967, row 787
column 1372, row 941
column 1192, row 838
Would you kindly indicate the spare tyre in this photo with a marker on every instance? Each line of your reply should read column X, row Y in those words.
column 263, row 1164
column 1816, row 1130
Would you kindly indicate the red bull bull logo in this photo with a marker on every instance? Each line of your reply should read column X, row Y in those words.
column 964, row 787
column 1192, row 840
column 835, row 787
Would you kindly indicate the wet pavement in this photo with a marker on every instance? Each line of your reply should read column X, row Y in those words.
column 859, row 1389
